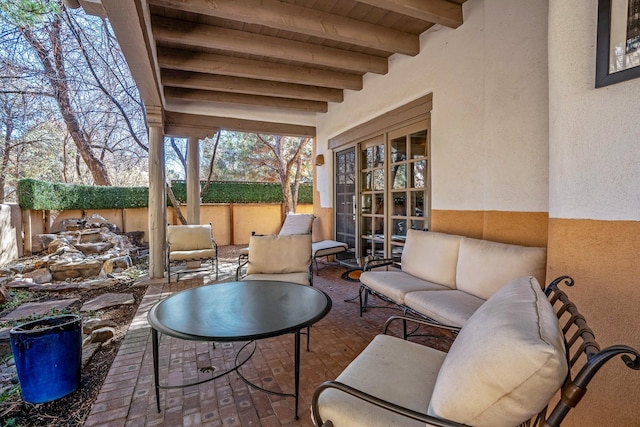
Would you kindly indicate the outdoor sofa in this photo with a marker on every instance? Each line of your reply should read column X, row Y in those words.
column 447, row 277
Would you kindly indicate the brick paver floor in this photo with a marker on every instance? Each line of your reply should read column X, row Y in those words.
column 127, row 397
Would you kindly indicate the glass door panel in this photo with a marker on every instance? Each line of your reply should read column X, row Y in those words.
column 345, row 206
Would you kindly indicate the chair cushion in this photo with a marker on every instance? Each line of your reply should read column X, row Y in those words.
column 328, row 247
column 396, row 284
column 392, row 369
column 449, row 307
column 192, row 255
column 189, row 237
column 296, row 224
column 431, row 256
column 300, row 278
column 279, row 254
column 485, row 266
column 507, row 361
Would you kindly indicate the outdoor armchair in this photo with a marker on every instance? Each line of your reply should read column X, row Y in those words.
column 187, row 243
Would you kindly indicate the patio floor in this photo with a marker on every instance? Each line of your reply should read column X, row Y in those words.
column 127, row 397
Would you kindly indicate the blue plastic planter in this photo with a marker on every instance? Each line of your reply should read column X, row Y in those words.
column 48, row 356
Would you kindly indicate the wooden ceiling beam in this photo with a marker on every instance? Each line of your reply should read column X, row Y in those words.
column 180, row 124
column 298, row 19
column 219, row 83
column 437, row 11
column 240, row 98
column 208, row 36
column 240, row 67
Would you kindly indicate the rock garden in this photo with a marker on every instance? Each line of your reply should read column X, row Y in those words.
column 87, row 268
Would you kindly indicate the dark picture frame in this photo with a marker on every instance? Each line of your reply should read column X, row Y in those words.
column 612, row 67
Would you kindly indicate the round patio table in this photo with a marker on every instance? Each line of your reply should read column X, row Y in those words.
column 238, row 311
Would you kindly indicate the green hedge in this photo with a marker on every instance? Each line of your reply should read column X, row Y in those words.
column 41, row 195
column 242, row 192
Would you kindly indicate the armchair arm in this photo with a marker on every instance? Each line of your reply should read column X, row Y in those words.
column 409, row 413
column 374, row 263
column 425, row 322
column 240, row 267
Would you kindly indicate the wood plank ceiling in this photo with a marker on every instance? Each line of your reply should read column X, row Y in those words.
column 293, row 55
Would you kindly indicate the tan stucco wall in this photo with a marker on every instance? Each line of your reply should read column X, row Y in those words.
column 520, row 228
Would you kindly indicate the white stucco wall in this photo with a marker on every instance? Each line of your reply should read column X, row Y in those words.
column 490, row 107
column 594, row 133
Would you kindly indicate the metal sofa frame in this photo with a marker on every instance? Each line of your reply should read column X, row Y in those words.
column 583, row 354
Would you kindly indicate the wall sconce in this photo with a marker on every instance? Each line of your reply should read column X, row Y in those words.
column 320, row 160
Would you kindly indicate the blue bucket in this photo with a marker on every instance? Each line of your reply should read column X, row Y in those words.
column 48, row 357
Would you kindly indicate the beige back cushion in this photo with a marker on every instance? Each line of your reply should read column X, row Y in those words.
column 297, row 224
column 506, row 363
column 431, row 256
column 189, row 237
column 485, row 266
column 279, row 254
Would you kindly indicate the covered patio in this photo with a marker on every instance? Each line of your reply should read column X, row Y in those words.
column 127, row 396
column 518, row 145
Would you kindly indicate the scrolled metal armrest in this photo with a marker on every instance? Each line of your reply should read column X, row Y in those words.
column 375, row 263
column 409, row 413
column 425, row 322
column 239, row 269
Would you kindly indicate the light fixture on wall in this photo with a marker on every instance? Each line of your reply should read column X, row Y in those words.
column 320, row 160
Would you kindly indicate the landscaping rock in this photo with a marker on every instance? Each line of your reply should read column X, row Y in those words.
column 31, row 309
column 100, row 335
column 98, row 283
column 93, row 248
column 108, row 300
column 39, row 276
column 91, row 325
column 116, row 265
column 84, row 268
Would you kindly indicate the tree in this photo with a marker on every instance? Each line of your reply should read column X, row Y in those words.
column 71, row 61
column 287, row 153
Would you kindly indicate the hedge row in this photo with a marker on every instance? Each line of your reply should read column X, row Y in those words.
column 41, row 195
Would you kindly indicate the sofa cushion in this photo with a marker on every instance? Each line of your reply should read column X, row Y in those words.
column 507, row 361
column 392, row 369
column 431, row 256
column 396, row 284
column 279, row 254
column 485, row 266
column 450, row 307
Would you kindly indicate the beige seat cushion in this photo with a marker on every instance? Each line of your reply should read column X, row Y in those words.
column 396, row 284
column 431, row 256
column 189, row 237
column 485, row 266
column 328, row 247
column 448, row 307
column 192, row 255
column 392, row 369
column 279, row 254
column 300, row 278
column 507, row 362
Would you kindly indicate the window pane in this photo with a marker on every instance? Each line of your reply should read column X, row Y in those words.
column 399, row 230
column 420, row 174
column 378, row 179
column 399, row 149
column 417, row 203
column 399, row 176
column 378, row 155
column 419, row 144
column 399, row 204
column 417, row 225
column 366, row 181
column 366, row 204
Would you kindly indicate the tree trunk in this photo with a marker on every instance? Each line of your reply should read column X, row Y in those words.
column 55, row 73
column 5, row 157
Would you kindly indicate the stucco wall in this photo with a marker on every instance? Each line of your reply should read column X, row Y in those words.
column 490, row 108
column 594, row 202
